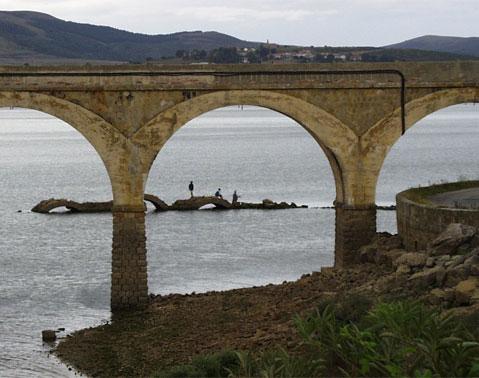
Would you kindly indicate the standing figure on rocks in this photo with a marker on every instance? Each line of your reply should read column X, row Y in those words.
column 235, row 198
column 218, row 193
column 191, row 187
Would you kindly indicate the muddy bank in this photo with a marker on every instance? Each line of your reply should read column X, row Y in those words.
column 176, row 328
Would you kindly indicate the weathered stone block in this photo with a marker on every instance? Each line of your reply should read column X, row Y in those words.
column 129, row 275
column 355, row 227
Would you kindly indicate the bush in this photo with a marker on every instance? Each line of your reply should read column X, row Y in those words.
column 394, row 339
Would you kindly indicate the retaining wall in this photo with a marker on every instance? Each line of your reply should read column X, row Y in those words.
column 419, row 224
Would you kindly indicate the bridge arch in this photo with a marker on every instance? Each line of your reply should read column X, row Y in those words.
column 388, row 130
column 101, row 135
column 334, row 137
column 378, row 141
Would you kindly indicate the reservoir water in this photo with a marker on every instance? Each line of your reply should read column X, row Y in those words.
column 55, row 269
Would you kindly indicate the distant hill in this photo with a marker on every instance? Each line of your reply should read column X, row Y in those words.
column 38, row 38
column 453, row 45
column 33, row 36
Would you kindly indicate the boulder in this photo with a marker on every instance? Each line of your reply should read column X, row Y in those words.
column 411, row 259
column 403, row 269
column 49, row 335
column 430, row 262
column 452, row 238
column 455, row 261
column 456, row 275
column 467, row 286
column 388, row 257
column 475, row 241
column 428, row 277
column 387, row 242
column 464, row 291
column 439, row 296
column 472, row 263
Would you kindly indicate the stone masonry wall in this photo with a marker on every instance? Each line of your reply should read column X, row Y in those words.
column 355, row 227
column 419, row 224
column 129, row 282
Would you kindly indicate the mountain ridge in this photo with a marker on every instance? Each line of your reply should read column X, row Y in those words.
column 439, row 43
column 40, row 34
column 28, row 37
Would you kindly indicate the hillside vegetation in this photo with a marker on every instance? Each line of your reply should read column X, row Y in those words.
column 454, row 45
column 29, row 36
column 37, row 38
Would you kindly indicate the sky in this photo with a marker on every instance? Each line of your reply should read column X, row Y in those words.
column 296, row 22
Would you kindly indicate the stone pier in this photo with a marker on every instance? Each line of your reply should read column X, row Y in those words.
column 129, row 281
column 355, row 227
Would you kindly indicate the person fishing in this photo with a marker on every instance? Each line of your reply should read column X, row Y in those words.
column 235, row 198
column 218, row 194
column 191, row 187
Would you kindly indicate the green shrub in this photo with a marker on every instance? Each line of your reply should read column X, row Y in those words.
column 393, row 339
column 390, row 340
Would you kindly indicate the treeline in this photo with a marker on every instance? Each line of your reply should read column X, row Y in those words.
column 228, row 55
column 219, row 55
column 265, row 53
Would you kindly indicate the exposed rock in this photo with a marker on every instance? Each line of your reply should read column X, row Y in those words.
column 456, row 275
column 475, row 241
column 455, row 261
column 467, row 286
column 430, row 262
column 471, row 260
column 452, row 238
column 388, row 257
column 411, row 259
column 387, row 242
column 49, row 335
column 472, row 263
column 438, row 296
column 465, row 290
column 428, row 277
column 403, row 269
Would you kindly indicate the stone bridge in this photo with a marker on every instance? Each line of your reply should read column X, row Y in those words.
column 355, row 112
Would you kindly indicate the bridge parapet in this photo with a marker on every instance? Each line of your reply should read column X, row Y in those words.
column 231, row 77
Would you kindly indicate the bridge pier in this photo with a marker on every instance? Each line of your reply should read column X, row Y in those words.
column 355, row 227
column 129, row 281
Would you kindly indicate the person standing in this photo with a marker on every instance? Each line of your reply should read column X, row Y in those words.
column 191, row 187
column 235, row 198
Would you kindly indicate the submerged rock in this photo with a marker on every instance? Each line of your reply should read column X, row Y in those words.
column 49, row 335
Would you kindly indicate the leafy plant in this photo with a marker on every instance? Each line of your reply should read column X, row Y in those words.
column 394, row 339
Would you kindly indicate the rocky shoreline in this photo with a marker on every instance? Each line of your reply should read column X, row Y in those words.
column 193, row 203
column 174, row 328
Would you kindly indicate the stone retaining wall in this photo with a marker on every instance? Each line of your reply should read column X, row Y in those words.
column 419, row 224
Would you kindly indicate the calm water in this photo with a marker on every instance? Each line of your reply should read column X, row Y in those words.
column 55, row 269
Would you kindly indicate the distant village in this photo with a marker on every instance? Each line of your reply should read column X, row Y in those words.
column 273, row 53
